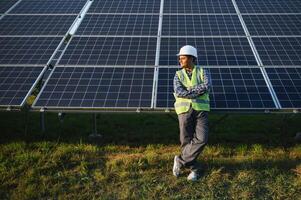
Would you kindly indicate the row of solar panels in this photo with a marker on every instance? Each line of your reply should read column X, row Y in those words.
column 147, row 25
column 152, row 6
column 128, row 87
column 131, row 51
column 116, row 43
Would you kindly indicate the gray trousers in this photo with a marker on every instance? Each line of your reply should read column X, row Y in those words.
column 194, row 131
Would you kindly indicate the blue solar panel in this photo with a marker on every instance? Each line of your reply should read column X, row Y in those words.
column 273, row 24
column 36, row 24
column 194, row 7
column 6, row 4
column 279, row 50
column 110, row 51
column 269, row 6
column 232, row 88
column 211, row 51
column 27, row 50
column 287, row 85
column 49, row 6
column 119, row 25
column 15, row 84
column 76, row 87
column 125, row 6
column 201, row 25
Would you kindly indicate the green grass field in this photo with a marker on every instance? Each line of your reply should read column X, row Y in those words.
column 248, row 157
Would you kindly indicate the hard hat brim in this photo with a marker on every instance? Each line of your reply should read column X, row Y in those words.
column 185, row 55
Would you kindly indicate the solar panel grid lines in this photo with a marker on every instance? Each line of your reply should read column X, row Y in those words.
column 287, row 85
column 279, row 51
column 125, row 6
column 212, row 51
column 269, row 6
column 273, row 25
column 16, row 83
column 36, row 25
column 27, row 50
column 202, row 25
column 125, row 50
column 205, row 6
column 111, row 51
column 94, row 87
column 49, row 6
column 108, row 24
column 5, row 5
column 232, row 88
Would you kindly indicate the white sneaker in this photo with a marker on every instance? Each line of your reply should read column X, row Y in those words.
column 176, row 167
column 193, row 176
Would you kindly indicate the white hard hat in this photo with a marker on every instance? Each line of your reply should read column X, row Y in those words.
column 188, row 50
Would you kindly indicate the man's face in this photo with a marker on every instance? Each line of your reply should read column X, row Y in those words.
column 186, row 61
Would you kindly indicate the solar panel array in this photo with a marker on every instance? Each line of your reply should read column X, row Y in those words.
column 30, row 33
column 232, row 88
column 123, row 53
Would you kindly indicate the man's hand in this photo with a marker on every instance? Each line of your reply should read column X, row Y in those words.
column 198, row 89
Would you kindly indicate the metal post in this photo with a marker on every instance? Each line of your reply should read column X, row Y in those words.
column 94, row 136
column 42, row 121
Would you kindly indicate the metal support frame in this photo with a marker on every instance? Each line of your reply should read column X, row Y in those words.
column 94, row 136
column 156, row 69
column 42, row 122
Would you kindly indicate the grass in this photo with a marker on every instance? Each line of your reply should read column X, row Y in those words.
column 248, row 157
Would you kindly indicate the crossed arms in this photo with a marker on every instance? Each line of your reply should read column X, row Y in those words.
column 191, row 93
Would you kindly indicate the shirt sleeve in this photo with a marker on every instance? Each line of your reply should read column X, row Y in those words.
column 206, row 85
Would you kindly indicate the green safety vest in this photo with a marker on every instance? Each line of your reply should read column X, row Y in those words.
column 201, row 102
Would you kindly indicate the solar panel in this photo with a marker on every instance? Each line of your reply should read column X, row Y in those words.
column 49, row 6
column 279, row 50
column 287, row 85
column 119, row 25
column 125, row 6
column 6, row 4
column 232, row 88
column 110, row 51
column 27, row 50
column 201, row 25
column 36, row 24
column 269, row 6
column 193, row 7
column 15, row 83
column 92, row 87
column 273, row 24
column 211, row 51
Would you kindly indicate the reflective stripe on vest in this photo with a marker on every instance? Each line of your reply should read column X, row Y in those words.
column 202, row 102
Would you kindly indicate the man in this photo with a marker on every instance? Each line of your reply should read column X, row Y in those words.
column 191, row 91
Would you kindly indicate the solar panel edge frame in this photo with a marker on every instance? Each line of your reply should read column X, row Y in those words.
column 271, row 88
column 42, row 89
column 11, row 8
column 48, row 63
column 80, row 17
column 10, row 107
column 34, row 85
column 157, row 58
column 257, row 57
column 294, row 109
